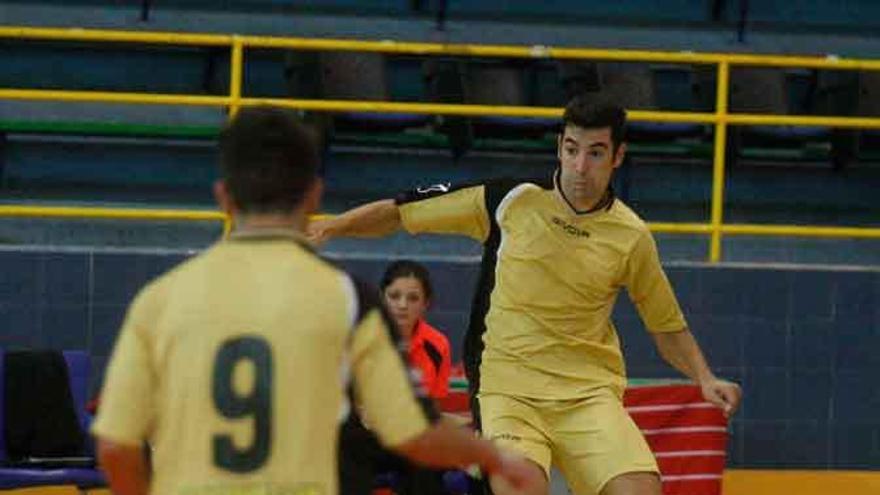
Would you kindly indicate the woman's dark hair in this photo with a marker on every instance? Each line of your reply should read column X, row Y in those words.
column 407, row 268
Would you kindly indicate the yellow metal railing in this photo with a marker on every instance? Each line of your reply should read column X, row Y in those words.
column 114, row 213
column 720, row 118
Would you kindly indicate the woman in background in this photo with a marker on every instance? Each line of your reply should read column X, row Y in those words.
column 406, row 288
column 407, row 292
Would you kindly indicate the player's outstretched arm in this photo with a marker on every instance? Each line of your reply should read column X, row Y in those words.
column 125, row 467
column 446, row 445
column 680, row 349
column 376, row 219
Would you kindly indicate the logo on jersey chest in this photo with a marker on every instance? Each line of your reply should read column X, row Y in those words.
column 570, row 229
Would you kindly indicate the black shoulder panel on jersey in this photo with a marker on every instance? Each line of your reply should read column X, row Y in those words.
column 432, row 191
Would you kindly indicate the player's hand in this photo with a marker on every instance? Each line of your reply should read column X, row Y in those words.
column 319, row 231
column 723, row 394
column 517, row 474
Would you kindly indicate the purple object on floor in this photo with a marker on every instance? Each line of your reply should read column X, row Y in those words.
column 456, row 482
column 26, row 477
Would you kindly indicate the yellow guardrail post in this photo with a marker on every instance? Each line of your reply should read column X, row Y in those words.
column 236, row 75
column 227, row 225
column 721, row 92
column 236, row 81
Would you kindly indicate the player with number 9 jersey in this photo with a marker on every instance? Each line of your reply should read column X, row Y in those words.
column 229, row 372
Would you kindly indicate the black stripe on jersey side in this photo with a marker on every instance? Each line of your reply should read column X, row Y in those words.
column 368, row 301
column 473, row 341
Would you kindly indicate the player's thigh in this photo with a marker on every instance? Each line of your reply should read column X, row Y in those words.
column 516, row 425
column 595, row 441
column 635, row 483
column 500, row 486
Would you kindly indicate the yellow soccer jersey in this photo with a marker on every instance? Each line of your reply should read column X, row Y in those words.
column 541, row 318
column 235, row 365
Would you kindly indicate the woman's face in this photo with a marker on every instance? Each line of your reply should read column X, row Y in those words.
column 405, row 298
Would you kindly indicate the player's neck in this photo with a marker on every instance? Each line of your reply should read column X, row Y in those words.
column 295, row 221
column 582, row 204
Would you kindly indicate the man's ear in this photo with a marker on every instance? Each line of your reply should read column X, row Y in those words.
column 224, row 198
column 619, row 155
column 312, row 198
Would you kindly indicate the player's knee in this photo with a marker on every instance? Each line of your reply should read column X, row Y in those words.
column 638, row 483
column 542, row 487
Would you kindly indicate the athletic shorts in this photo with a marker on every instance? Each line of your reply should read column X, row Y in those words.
column 590, row 440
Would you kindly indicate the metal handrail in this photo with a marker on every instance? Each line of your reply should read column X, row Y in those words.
column 237, row 44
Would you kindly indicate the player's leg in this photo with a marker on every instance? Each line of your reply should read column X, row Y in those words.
column 599, row 449
column 501, row 487
column 516, row 425
column 633, row 484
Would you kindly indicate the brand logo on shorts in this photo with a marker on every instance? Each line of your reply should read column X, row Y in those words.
column 569, row 228
column 436, row 188
column 506, row 436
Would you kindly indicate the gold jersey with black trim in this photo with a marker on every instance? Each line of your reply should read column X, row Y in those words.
column 236, row 366
column 540, row 324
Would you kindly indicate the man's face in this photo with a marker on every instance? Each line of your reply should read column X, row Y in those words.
column 587, row 160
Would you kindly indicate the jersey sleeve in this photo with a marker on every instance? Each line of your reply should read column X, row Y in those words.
column 444, row 209
column 388, row 399
column 128, row 398
column 650, row 290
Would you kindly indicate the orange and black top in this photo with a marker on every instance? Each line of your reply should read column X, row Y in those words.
column 429, row 353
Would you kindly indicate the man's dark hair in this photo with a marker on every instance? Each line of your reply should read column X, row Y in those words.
column 407, row 268
column 268, row 159
column 589, row 112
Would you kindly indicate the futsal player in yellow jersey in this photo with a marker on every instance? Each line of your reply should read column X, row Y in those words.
column 234, row 366
column 542, row 355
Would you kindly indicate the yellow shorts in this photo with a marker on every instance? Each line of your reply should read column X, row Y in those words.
column 589, row 440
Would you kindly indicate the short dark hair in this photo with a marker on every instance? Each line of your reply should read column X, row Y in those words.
column 589, row 112
column 268, row 159
column 407, row 268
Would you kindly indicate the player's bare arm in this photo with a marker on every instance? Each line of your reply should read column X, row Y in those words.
column 447, row 444
column 125, row 466
column 680, row 349
column 376, row 219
